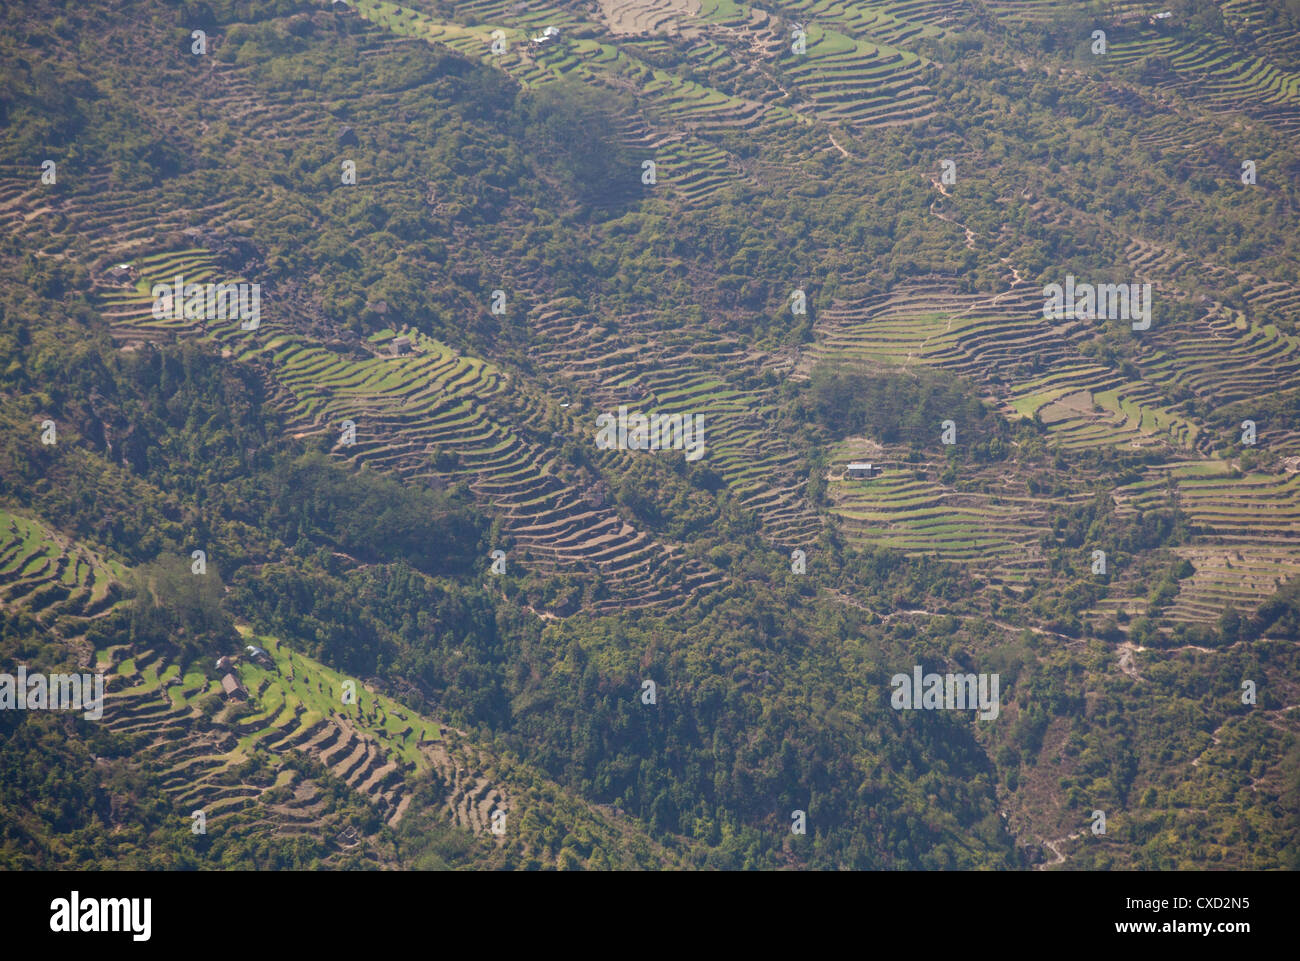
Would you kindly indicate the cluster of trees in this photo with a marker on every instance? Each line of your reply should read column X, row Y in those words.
column 310, row 500
column 176, row 609
column 895, row 407
column 569, row 129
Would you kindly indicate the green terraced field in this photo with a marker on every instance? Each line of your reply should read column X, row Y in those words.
column 300, row 682
column 39, row 571
column 923, row 517
column 295, row 705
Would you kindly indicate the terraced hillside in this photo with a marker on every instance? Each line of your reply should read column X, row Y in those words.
column 60, row 583
column 371, row 745
column 462, row 260
column 289, row 754
column 1214, row 74
column 1246, row 550
column 1030, row 368
column 182, row 731
column 908, row 509
column 407, row 408
column 753, row 80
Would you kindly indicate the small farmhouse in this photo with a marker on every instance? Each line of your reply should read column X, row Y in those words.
column 122, row 273
column 233, row 690
column 859, row 468
column 259, row 656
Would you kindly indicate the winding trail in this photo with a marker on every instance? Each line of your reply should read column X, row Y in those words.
column 1052, row 845
column 917, row 611
column 970, row 234
column 1016, row 278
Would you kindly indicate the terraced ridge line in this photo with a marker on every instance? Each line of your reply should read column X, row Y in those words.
column 841, row 79
column 650, row 369
column 1211, row 73
column 53, row 579
column 371, row 745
